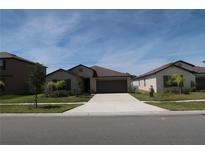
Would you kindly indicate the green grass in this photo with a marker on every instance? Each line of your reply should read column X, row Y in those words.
column 39, row 109
column 42, row 99
column 144, row 96
column 180, row 106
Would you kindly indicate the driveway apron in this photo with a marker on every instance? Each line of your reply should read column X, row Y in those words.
column 114, row 103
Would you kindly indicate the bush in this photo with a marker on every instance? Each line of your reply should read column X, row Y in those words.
column 193, row 89
column 186, row 91
column 59, row 93
column 171, row 91
column 56, row 89
column 132, row 89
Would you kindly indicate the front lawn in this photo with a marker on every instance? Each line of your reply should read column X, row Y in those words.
column 144, row 96
column 180, row 106
column 43, row 99
column 39, row 109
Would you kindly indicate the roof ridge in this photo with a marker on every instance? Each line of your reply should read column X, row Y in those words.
column 107, row 69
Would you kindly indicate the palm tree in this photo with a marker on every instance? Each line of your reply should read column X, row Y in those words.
column 59, row 86
column 179, row 81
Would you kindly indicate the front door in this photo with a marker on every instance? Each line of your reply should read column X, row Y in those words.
column 87, row 85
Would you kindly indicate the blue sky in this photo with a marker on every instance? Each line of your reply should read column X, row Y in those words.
column 133, row 41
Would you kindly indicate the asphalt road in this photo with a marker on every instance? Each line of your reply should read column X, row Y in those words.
column 103, row 130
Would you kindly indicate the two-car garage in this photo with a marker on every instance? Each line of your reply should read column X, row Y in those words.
column 111, row 86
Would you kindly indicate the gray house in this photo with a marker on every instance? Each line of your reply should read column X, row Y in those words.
column 159, row 76
column 93, row 79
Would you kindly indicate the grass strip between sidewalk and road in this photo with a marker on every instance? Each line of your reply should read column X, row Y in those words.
column 42, row 99
column 39, row 109
column 180, row 106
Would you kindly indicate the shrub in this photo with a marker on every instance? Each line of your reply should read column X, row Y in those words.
column 193, row 89
column 56, row 89
column 59, row 93
column 132, row 89
column 171, row 91
column 186, row 91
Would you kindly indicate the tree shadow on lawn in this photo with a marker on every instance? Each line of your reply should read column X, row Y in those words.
column 46, row 107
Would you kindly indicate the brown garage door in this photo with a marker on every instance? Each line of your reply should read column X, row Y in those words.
column 200, row 83
column 111, row 86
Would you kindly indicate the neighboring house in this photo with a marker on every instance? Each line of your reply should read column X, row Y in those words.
column 158, row 77
column 14, row 72
column 93, row 79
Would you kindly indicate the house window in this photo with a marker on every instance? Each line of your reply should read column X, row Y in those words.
column 139, row 83
column 169, row 81
column 2, row 64
column 144, row 83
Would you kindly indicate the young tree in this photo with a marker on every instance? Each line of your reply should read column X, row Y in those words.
column 37, row 80
column 2, row 85
column 179, row 81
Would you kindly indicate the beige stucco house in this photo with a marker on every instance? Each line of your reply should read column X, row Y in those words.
column 158, row 77
column 93, row 79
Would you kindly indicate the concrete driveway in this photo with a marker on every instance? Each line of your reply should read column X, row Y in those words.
column 114, row 104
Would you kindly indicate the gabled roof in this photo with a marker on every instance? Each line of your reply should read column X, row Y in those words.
column 105, row 72
column 6, row 55
column 58, row 70
column 79, row 66
column 193, row 69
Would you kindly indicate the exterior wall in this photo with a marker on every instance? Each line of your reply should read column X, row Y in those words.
column 62, row 75
column 188, row 77
column 150, row 81
column 93, row 85
column 157, row 80
column 93, row 81
column 16, row 76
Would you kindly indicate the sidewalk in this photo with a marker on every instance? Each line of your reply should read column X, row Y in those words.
column 193, row 100
column 43, row 103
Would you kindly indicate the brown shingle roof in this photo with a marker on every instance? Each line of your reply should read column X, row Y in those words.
column 6, row 55
column 199, row 69
column 105, row 72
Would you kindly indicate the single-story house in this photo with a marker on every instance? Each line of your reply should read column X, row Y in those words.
column 14, row 72
column 93, row 79
column 158, row 77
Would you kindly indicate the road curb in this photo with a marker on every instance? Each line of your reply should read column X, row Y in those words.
column 104, row 114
